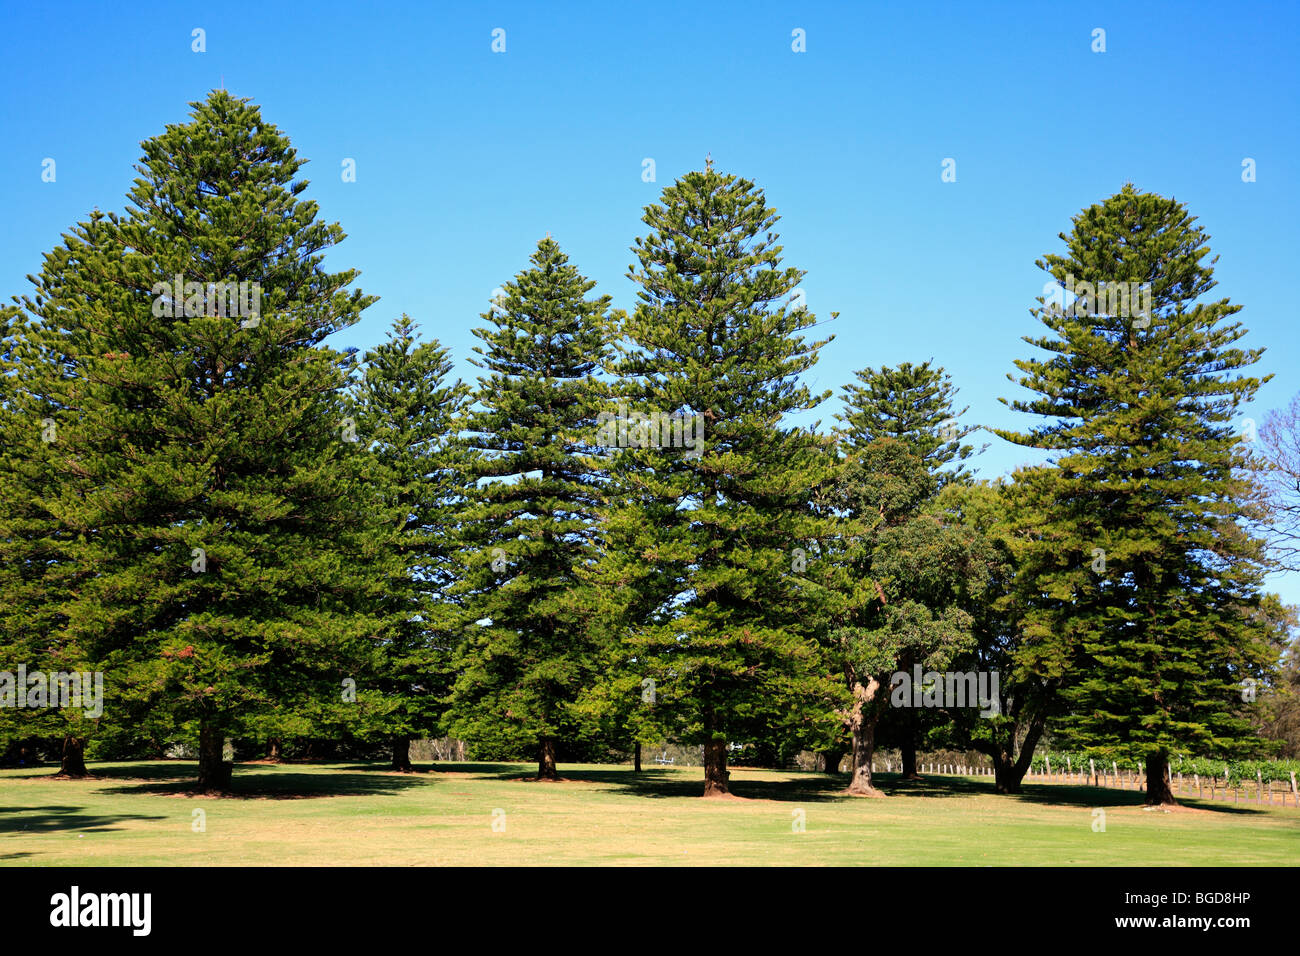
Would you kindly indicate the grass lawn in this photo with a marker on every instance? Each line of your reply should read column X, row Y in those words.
column 338, row 814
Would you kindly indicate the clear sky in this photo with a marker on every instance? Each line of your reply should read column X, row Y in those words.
column 466, row 157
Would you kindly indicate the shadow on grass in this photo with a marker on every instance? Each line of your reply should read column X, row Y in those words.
column 1048, row 793
column 143, row 770
column 259, row 781
column 1061, row 794
column 819, row 787
column 440, row 767
column 52, row 819
column 659, row 782
column 283, row 781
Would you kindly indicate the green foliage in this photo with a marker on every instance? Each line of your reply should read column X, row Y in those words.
column 221, row 548
column 529, row 527
column 34, row 570
column 701, row 539
column 617, row 535
column 926, row 570
column 923, row 567
column 1141, row 580
column 409, row 412
column 912, row 404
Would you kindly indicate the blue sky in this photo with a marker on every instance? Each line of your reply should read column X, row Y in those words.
column 465, row 157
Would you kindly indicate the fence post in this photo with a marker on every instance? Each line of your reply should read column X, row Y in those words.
column 1092, row 770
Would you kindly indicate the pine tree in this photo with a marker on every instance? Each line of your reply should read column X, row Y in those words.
column 33, row 572
column 225, row 546
column 410, row 412
column 1146, row 579
column 913, row 404
column 714, row 485
column 37, row 545
column 530, row 526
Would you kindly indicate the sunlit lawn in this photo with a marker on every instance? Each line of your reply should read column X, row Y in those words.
column 357, row 814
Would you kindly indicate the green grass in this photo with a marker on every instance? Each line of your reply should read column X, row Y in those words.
column 357, row 814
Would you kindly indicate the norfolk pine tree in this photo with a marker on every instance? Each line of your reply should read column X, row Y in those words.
column 409, row 412
column 226, row 546
column 706, row 535
column 33, row 565
column 915, row 405
column 1146, row 589
column 530, row 525
column 38, row 545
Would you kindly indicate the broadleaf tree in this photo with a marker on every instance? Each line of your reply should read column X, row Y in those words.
column 914, row 406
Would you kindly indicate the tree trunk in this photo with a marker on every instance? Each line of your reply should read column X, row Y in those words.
column 273, row 750
column 862, row 724
column 73, row 763
column 1008, row 769
column 907, row 724
column 908, row 750
column 402, row 754
column 214, row 772
column 546, row 763
column 831, row 760
column 1159, row 793
column 636, row 757
column 715, row 769
column 1006, row 777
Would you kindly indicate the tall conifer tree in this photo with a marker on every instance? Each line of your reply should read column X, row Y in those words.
column 224, row 540
column 530, row 527
column 410, row 412
column 1145, row 575
column 34, row 571
column 705, row 541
